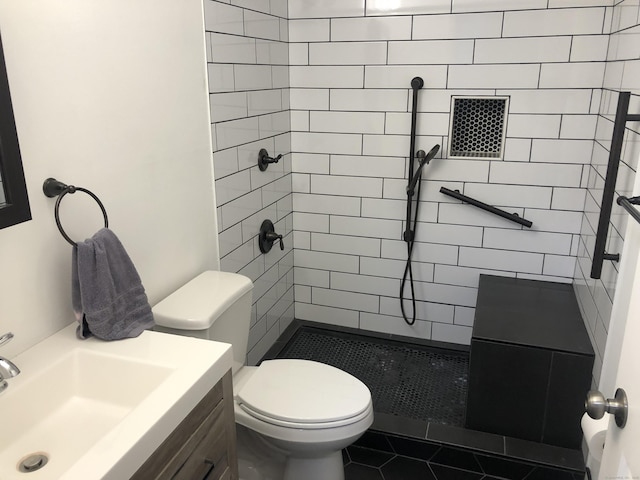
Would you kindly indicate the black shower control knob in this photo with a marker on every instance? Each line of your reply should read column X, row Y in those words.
column 268, row 236
column 272, row 237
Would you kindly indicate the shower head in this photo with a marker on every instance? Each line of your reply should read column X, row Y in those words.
column 425, row 158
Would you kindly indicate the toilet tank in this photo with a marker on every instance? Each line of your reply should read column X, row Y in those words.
column 214, row 306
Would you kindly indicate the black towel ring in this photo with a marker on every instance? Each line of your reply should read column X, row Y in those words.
column 54, row 188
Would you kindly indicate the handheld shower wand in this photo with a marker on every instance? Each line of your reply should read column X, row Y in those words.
column 425, row 158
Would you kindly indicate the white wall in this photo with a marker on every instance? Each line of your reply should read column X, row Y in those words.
column 109, row 95
column 248, row 81
column 351, row 67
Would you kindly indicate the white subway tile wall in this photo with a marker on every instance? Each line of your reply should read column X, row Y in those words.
column 249, row 97
column 327, row 84
column 350, row 108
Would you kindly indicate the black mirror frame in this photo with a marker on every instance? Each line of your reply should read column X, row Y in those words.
column 16, row 209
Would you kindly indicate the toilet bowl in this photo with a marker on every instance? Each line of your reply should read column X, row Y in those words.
column 296, row 415
column 307, row 409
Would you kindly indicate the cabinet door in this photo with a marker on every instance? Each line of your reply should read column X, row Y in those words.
column 203, row 446
column 208, row 459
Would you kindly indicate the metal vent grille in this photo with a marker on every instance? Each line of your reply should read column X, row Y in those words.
column 404, row 380
column 478, row 127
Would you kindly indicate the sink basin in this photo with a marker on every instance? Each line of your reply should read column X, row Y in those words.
column 98, row 409
column 68, row 406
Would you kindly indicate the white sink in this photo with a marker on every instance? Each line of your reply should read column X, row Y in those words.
column 99, row 409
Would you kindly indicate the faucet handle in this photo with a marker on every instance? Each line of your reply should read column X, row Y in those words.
column 6, row 338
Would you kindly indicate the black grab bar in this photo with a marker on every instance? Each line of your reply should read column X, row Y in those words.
column 619, row 125
column 514, row 217
column 628, row 204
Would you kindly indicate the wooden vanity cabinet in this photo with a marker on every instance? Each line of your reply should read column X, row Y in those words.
column 203, row 446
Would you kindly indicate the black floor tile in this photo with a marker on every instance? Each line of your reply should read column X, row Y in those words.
column 413, row 448
column 540, row 473
column 545, row 454
column 345, row 457
column 366, row 456
column 409, row 427
column 503, row 468
column 447, row 473
column 447, row 464
column 463, row 437
column 374, row 440
column 354, row 471
column 415, row 442
column 402, row 468
column 452, row 457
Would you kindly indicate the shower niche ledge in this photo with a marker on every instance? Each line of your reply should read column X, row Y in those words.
column 530, row 362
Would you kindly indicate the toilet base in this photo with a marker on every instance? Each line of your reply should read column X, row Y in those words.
column 329, row 467
column 260, row 459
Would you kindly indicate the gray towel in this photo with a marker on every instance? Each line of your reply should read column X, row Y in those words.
column 107, row 294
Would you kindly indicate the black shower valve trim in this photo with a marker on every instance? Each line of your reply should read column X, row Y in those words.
column 268, row 236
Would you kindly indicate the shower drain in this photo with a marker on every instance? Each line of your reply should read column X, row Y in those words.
column 33, row 462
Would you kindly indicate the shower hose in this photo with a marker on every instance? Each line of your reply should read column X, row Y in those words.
column 409, row 236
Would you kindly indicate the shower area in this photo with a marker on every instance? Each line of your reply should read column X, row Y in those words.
column 419, row 383
column 520, row 97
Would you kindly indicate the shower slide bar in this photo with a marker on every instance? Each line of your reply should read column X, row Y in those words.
column 514, row 217
column 628, row 204
column 622, row 117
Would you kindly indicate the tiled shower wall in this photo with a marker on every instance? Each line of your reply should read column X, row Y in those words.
column 351, row 64
column 248, row 83
column 622, row 74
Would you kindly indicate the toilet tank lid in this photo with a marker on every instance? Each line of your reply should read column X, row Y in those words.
column 198, row 303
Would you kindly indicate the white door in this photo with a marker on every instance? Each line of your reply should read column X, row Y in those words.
column 621, row 367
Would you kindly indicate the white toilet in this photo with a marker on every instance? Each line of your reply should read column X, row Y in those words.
column 301, row 411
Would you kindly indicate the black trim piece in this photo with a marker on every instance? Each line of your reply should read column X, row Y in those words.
column 16, row 209
column 628, row 204
column 619, row 126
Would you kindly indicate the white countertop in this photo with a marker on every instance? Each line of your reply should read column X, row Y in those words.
column 181, row 370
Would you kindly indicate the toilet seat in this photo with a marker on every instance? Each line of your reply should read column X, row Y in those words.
column 305, row 426
column 304, row 394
